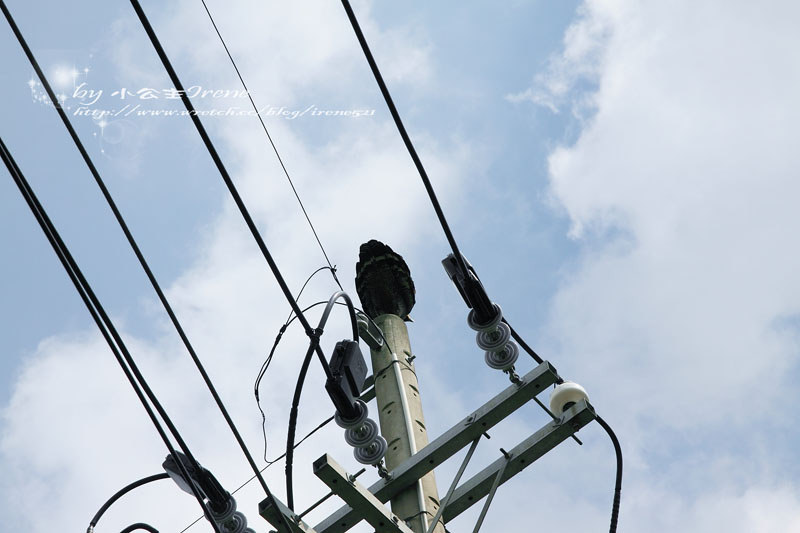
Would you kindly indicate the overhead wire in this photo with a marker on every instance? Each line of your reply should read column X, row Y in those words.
column 219, row 164
column 525, row 346
column 446, row 228
column 293, row 412
column 271, row 462
column 312, row 334
column 278, row 338
column 265, row 365
column 617, row 476
column 272, row 143
column 134, row 246
column 139, row 525
column 122, row 492
column 404, row 134
column 102, row 320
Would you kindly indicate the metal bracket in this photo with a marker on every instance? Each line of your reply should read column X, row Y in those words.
column 369, row 331
column 277, row 516
column 368, row 392
column 449, row 443
column 521, row 456
column 358, row 497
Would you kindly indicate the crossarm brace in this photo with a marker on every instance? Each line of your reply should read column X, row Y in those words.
column 448, row 444
column 521, row 456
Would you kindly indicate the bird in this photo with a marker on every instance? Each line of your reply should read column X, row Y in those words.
column 383, row 281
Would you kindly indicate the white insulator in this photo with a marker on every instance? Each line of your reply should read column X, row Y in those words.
column 565, row 396
column 363, row 435
column 489, row 326
column 504, row 359
column 372, row 454
column 236, row 524
column 363, row 411
column 227, row 513
column 495, row 340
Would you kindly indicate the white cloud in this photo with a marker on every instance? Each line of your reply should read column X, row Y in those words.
column 678, row 318
column 681, row 187
column 74, row 433
column 582, row 59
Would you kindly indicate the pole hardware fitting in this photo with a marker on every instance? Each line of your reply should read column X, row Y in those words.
column 469, row 286
column 485, row 316
column 513, row 377
column 315, row 334
column 369, row 331
column 382, row 472
column 221, row 503
column 348, row 374
column 352, row 477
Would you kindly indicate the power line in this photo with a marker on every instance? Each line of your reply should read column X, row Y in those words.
column 618, row 475
column 312, row 347
column 312, row 334
column 134, row 246
column 139, row 525
column 122, row 492
column 451, row 239
column 219, row 164
column 404, row 134
column 271, row 462
column 268, row 360
column 272, row 143
column 100, row 317
column 527, row 348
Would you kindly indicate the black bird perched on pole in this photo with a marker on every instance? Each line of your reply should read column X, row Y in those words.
column 383, row 281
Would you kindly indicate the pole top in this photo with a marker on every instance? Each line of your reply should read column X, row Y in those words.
column 383, row 281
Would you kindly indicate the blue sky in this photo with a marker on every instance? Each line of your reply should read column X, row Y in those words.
column 622, row 175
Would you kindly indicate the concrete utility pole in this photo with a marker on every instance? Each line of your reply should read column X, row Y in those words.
column 384, row 285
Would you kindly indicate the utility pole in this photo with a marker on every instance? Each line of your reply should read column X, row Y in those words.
column 387, row 294
column 386, row 290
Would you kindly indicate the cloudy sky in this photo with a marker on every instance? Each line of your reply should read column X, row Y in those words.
column 623, row 176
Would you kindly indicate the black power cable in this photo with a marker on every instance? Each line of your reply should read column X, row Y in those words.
column 298, row 389
column 310, row 332
column 525, row 346
column 99, row 315
column 268, row 360
column 139, row 525
column 56, row 103
column 272, row 462
column 618, row 477
column 442, row 220
column 312, row 347
column 148, row 28
column 134, row 246
column 404, row 134
column 122, row 492
column 272, row 143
